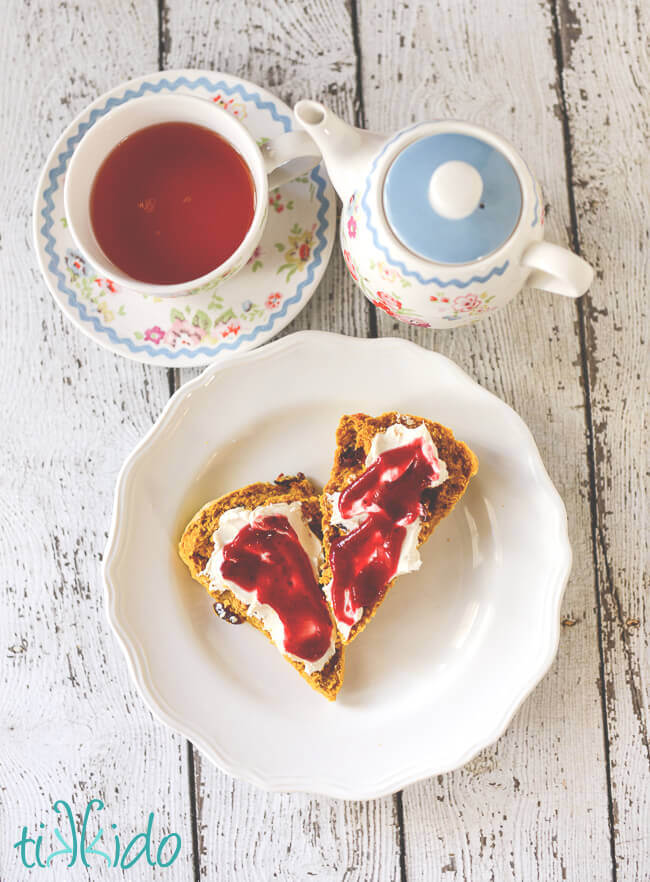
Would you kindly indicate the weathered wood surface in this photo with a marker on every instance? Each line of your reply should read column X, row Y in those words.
column 72, row 726
column 605, row 89
column 564, row 794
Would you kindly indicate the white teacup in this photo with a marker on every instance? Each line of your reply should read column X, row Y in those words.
column 274, row 163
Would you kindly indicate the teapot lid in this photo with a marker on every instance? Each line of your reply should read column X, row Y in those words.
column 452, row 198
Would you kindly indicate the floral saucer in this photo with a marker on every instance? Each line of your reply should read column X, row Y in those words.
column 198, row 328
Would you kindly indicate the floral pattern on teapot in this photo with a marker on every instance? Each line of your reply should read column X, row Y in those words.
column 384, row 285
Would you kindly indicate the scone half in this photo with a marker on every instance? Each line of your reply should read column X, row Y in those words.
column 445, row 466
column 257, row 508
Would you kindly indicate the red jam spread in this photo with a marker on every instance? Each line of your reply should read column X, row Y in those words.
column 389, row 494
column 267, row 557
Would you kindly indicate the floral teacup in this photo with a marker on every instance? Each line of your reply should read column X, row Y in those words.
column 272, row 164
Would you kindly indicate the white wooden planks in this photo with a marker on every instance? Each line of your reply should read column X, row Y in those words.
column 605, row 79
column 537, row 805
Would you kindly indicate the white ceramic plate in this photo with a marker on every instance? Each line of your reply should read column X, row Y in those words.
column 199, row 328
column 454, row 649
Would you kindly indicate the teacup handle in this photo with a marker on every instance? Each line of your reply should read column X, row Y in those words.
column 288, row 156
column 557, row 269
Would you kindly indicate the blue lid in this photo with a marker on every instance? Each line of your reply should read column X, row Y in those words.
column 452, row 198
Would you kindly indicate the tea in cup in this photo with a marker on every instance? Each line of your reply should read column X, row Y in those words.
column 169, row 193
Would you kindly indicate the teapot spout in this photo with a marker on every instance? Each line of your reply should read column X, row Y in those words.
column 347, row 151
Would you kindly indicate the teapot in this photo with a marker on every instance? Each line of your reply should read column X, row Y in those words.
column 442, row 223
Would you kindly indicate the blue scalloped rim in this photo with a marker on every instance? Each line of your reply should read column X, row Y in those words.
column 458, row 283
column 55, row 174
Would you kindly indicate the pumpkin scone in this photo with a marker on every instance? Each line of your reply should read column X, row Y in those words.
column 395, row 477
column 257, row 551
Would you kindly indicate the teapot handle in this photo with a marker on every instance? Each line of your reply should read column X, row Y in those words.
column 557, row 269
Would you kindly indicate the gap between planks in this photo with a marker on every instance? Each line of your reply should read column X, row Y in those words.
column 373, row 331
column 174, row 382
column 558, row 52
column 360, row 121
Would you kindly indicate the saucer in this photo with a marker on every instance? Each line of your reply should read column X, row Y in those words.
column 454, row 648
column 193, row 329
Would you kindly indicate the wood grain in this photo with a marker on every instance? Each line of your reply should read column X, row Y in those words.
column 605, row 86
column 525, row 809
column 72, row 726
column 245, row 833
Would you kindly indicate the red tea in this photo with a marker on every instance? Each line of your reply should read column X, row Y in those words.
column 171, row 203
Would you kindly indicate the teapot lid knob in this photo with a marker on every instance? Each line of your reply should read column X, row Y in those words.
column 455, row 189
column 452, row 197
